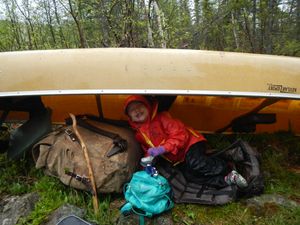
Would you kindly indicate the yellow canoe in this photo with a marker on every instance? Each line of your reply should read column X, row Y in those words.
column 212, row 87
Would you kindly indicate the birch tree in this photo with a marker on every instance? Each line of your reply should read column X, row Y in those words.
column 160, row 22
column 73, row 7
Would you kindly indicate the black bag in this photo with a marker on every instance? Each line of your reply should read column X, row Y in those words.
column 185, row 191
column 250, row 170
column 188, row 192
column 249, row 167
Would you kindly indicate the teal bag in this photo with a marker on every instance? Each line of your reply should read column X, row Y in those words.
column 147, row 195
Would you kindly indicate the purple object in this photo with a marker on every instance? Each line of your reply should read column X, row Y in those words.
column 156, row 151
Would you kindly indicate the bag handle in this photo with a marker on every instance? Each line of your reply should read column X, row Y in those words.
column 120, row 144
column 171, row 204
column 81, row 121
column 142, row 213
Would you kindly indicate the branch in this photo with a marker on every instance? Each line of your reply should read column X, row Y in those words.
column 89, row 165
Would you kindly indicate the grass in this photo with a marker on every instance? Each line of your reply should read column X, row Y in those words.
column 279, row 152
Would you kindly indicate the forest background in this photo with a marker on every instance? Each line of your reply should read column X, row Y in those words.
column 256, row 26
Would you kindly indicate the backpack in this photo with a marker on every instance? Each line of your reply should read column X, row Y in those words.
column 251, row 171
column 113, row 151
column 185, row 191
column 147, row 195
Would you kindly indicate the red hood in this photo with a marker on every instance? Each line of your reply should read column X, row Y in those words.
column 139, row 98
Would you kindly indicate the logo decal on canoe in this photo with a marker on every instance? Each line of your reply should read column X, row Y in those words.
column 282, row 89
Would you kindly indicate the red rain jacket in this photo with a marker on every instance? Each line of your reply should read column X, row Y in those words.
column 161, row 129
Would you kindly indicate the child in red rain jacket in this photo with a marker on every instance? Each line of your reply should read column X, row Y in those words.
column 160, row 134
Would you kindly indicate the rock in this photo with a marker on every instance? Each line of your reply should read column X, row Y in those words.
column 267, row 205
column 15, row 207
column 268, row 198
column 128, row 220
column 63, row 211
column 163, row 219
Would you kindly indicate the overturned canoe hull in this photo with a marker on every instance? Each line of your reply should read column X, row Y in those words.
column 148, row 71
column 212, row 88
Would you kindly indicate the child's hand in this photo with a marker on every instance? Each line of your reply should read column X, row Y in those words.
column 156, row 151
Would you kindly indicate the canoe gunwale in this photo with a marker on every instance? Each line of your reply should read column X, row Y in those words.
column 150, row 92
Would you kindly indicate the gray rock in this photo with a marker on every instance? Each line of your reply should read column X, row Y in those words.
column 63, row 211
column 260, row 201
column 163, row 219
column 15, row 207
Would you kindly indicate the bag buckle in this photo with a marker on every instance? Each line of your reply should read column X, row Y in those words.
column 71, row 134
column 86, row 181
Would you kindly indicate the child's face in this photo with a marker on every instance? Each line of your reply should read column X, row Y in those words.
column 137, row 112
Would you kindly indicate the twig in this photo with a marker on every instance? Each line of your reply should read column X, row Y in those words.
column 89, row 165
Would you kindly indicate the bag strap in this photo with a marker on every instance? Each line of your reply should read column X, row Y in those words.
column 128, row 208
column 120, row 144
column 142, row 212
column 234, row 144
column 86, row 181
column 83, row 123
column 171, row 204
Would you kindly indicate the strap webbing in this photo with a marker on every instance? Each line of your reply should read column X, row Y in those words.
column 119, row 143
column 141, row 220
column 99, row 106
column 85, row 124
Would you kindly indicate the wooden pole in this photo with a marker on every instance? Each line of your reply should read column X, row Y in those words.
column 89, row 165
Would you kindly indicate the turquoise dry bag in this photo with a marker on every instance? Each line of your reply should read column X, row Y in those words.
column 147, row 195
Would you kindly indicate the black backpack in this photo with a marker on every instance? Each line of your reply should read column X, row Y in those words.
column 185, row 191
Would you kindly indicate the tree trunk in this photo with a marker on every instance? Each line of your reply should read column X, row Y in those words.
column 47, row 8
column 61, row 34
column 103, row 24
column 83, row 43
column 28, row 23
column 14, row 24
column 248, row 29
column 147, row 18
column 160, row 23
column 197, row 11
column 128, row 28
column 109, row 17
column 298, row 21
column 236, row 40
column 254, row 25
column 269, row 27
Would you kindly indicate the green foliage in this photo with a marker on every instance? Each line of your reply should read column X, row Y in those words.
column 6, row 35
column 20, row 177
column 289, row 48
column 15, row 176
column 241, row 26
